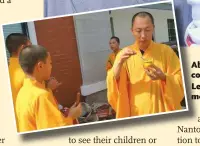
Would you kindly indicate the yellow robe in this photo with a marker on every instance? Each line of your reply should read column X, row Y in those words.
column 16, row 77
column 111, row 60
column 37, row 108
column 134, row 93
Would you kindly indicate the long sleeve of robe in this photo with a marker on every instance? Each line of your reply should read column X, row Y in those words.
column 134, row 93
column 37, row 108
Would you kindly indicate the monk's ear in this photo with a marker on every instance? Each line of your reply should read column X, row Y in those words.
column 39, row 65
column 20, row 49
column 132, row 31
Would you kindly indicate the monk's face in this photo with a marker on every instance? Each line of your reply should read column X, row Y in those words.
column 114, row 45
column 142, row 31
column 45, row 70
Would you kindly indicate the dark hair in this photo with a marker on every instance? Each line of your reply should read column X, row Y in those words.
column 14, row 41
column 142, row 14
column 116, row 38
column 30, row 56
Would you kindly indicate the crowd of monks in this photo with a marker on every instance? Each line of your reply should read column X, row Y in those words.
column 143, row 78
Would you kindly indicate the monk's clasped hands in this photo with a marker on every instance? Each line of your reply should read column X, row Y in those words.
column 155, row 73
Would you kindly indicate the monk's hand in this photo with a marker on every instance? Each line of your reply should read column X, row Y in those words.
column 75, row 111
column 125, row 54
column 53, row 84
column 155, row 73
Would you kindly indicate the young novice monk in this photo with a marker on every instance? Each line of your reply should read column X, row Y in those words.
column 14, row 43
column 114, row 45
column 36, row 107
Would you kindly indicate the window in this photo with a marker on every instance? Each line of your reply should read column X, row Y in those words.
column 14, row 28
column 171, row 30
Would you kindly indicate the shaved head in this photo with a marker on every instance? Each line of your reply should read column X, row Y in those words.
column 30, row 56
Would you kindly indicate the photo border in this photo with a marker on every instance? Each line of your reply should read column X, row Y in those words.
column 112, row 120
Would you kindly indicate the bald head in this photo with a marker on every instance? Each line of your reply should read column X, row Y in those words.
column 14, row 41
column 143, row 15
column 30, row 56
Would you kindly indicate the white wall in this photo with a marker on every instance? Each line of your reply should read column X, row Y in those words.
column 122, row 24
column 93, row 32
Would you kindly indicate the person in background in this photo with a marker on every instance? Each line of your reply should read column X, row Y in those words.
column 114, row 45
column 14, row 43
column 36, row 107
column 146, row 76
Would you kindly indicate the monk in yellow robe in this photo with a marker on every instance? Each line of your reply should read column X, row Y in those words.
column 14, row 43
column 114, row 45
column 36, row 107
column 146, row 76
